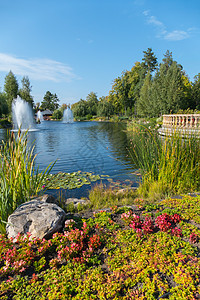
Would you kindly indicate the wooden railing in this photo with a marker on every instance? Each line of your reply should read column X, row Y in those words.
column 182, row 120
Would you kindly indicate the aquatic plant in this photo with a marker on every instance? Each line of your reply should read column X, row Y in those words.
column 19, row 179
column 168, row 165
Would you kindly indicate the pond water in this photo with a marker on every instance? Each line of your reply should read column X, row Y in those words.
column 97, row 147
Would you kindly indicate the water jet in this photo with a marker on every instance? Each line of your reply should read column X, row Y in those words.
column 68, row 116
column 39, row 117
column 22, row 115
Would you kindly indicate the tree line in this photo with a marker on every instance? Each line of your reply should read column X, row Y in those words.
column 11, row 91
column 148, row 89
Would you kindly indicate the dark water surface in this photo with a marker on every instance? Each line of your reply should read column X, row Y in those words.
column 98, row 147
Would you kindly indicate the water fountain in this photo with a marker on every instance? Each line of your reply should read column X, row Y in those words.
column 39, row 117
column 68, row 116
column 22, row 115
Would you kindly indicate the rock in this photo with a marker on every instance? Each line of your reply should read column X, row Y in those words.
column 125, row 190
column 40, row 218
column 49, row 199
column 75, row 201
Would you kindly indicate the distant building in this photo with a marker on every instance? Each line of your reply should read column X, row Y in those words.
column 47, row 114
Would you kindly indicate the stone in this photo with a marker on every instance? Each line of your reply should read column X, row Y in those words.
column 75, row 201
column 39, row 218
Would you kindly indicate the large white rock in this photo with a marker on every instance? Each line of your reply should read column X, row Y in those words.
column 40, row 218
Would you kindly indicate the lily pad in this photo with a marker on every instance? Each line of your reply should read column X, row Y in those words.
column 71, row 180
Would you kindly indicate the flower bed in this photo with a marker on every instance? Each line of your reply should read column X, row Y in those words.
column 149, row 253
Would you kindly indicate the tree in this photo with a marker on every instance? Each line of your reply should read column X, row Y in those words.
column 80, row 108
column 55, row 101
column 92, row 103
column 11, row 89
column 196, row 91
column 119, row 95
column 145, row 105
column 105, row 108
column 167, row 88
column 50, row 101
column 136, row 80
column 3, row 105
column 25, row 91
column 57, row 114
column 167, row 60
column 149, row 60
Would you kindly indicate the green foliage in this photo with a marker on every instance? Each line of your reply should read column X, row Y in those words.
column 149, row 60
column 19, row 180
column 25, row 91
column 57, row 114
column 50, row 101
column 70, row 180
column 196, row 92
column 92, row 103
column 11, row 88
column 105, row 108
column 101, row 197
column 168, row 166
column 3, row 105
column 102, row 258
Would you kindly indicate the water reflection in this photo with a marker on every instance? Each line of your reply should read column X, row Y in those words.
column 97, row 147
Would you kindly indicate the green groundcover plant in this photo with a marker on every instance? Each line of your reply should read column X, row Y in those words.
column 151, row 252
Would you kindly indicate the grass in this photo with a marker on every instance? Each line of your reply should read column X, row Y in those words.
column 168, row 166
column 101, row 196
column 19, row 179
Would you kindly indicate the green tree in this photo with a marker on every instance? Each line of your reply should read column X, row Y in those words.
column 149, row 60
column 3, row 105
column 145, row 103
column 92, row 103
column 50, row 101
column 168, row 59
column 136, row 80
column 80, row 108
column 11, row 89
column 57, row 114
column 105, row 108
column 25, row 91
column 55, row 101
column 196, row 91
column 167, row 88
column 119, row 95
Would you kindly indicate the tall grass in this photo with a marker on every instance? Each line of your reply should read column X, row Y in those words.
column 19, row 179
column 168, row 165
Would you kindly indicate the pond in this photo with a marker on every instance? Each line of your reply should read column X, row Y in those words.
column 97, row 147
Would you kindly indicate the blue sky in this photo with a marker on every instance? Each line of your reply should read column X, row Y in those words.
column 74, row 47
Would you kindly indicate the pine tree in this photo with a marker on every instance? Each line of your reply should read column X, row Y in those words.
column 25, row 91
column 11, row 89
column 149, row 60
column 144, row 104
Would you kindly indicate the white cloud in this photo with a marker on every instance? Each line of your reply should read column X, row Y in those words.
column 36, row 69
column 175, row 35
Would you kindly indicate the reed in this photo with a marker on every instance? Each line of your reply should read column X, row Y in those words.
column 168, row 165
column 19, row 179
